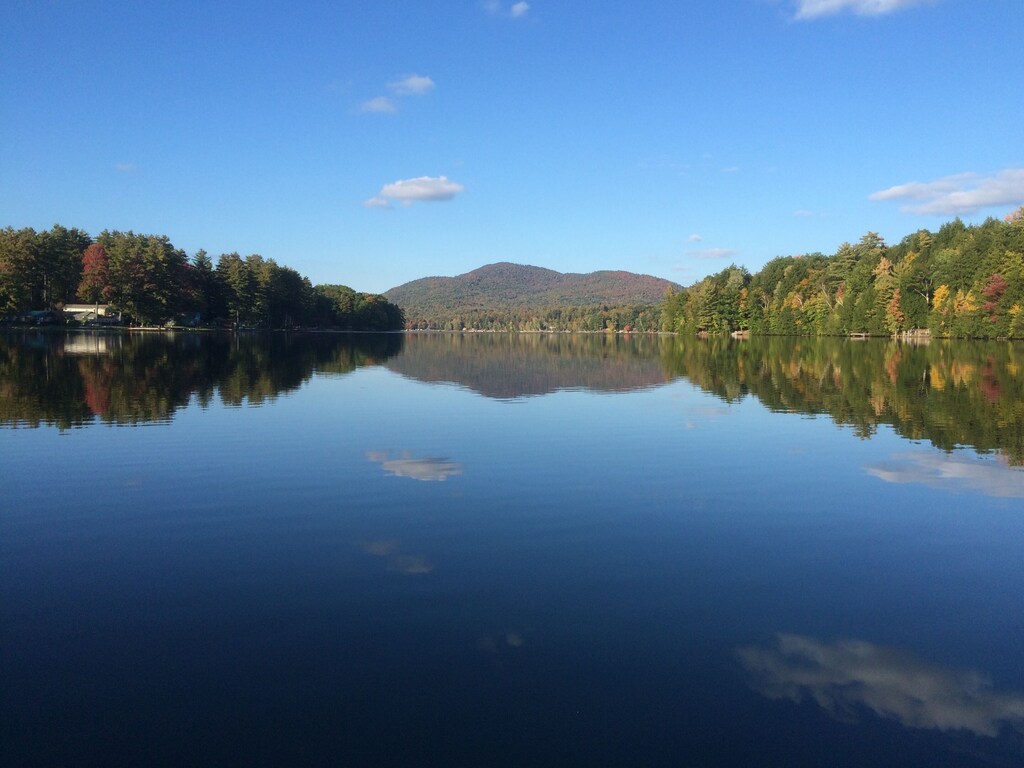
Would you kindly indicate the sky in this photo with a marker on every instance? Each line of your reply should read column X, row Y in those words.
column 374, row 143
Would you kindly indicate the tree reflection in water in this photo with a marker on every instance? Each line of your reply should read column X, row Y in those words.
column 73, row 380
column 948, row 393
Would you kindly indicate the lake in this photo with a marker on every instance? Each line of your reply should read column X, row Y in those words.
column 499, row 550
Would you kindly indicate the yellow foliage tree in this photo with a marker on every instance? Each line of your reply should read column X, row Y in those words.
column 894, row 316
column 964, row 302
column 883, row 269
column 1016, row 313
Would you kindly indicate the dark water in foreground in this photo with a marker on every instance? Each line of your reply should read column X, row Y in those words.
column 510, row 551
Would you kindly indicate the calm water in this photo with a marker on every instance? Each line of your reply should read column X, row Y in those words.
column 510, row 551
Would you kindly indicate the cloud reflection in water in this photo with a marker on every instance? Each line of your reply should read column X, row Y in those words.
column 397, row 562
column 496, row 644
column 428, row 469
column 949, row 472
column 410, row 565
column 380, row 547
column 851, row 675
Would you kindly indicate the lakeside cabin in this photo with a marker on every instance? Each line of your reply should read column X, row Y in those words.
column 84, row 313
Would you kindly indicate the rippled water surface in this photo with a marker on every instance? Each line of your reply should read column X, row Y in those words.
column 497, row 550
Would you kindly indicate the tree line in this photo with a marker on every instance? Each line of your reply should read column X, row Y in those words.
column 963, row 281
column 151, row 282
column 588, row 319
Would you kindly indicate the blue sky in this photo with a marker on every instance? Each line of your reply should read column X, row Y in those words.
column 374, row 143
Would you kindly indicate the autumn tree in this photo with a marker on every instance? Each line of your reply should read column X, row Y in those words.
column 95, row 284
column 993, row 292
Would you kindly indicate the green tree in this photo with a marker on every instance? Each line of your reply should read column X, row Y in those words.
column 147, row 275
column 239, row 288
column 17, row 257
column 208, row 292
column 60, row 264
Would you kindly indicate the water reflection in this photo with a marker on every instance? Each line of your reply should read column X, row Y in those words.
column 952, row 394
column 509, row 366
column 410, row 565
column 952, row 472
column 494, row 644
column 76, row 379
column 397, row 561
column 380, row 547
column 850, row 676
column 427, row 469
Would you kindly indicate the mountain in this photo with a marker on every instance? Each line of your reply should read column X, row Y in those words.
column 505, row 295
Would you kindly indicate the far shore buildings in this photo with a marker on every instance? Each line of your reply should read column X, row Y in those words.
column 83, row 313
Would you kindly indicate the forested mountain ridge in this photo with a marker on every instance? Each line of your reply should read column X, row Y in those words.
column 526, row 297
column 150, row 282
column 962, row 281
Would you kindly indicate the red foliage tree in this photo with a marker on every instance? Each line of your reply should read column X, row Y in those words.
column 95, row 285
column 993, row 291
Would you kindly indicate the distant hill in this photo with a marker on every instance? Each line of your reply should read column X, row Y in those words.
column 501, row 294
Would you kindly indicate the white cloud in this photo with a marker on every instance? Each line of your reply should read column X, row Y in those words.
column 694, row 238
column 849, row 676
column 407, row 85
column 420, row 189
column 964, row 193
column 813, row 9
column 125, row 167
column 381, row 105
column 731, row 169
column 517, row 10
column 712, row 253
column 951, row 473
column 411, row 85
